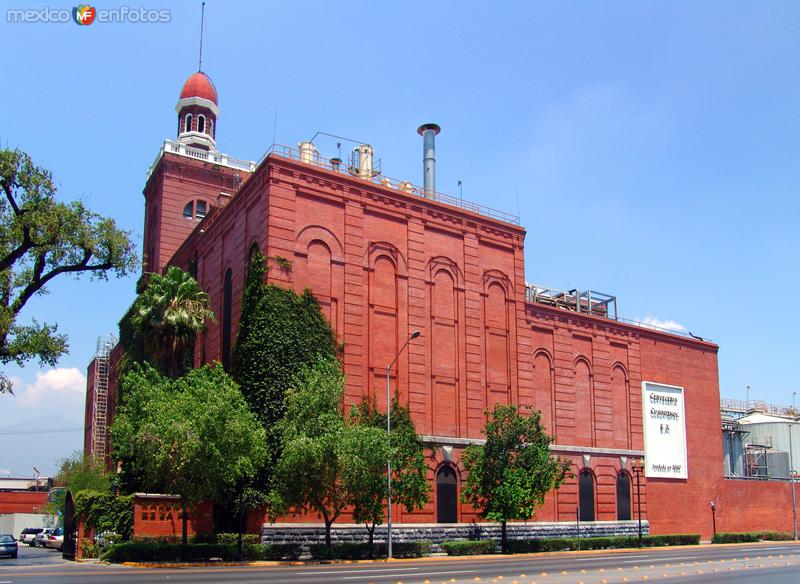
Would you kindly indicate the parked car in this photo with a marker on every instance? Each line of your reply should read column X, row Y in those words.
column 40, row 538
column 55, row 540
column 28, row 535
column 8, row 545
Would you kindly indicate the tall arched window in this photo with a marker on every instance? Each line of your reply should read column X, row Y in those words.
column 446, row 495
column 227, row 301
column 210, row 128
column 188, row 210
column 188, row 124
column 623, row 496
column 586, row 495
column 201, row 123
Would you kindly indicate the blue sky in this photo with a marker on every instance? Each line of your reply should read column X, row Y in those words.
column 652, row 148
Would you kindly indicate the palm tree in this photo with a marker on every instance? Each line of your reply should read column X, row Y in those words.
column 168, row 314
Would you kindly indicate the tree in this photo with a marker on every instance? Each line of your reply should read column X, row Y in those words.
column 509, row 475
column 279, row 333
column 410, row 486
column 193, row 436
column 163, row 321
column 42, row 238
column 79, row 472
column 317, row 446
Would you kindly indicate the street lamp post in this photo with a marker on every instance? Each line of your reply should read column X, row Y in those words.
column 791, row 478
column 413, row 335
column 713, row 518
column 637, row 464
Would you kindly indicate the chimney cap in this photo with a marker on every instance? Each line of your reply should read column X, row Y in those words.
column 429, row 126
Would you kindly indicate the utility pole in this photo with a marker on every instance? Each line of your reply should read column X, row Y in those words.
column 791, row 478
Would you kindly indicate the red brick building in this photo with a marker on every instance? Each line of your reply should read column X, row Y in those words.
column 386, row 258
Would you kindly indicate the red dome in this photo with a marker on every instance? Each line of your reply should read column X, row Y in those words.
column 199, row 85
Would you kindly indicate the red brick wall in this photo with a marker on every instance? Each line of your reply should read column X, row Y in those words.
column 22, row 501
column 161, row 516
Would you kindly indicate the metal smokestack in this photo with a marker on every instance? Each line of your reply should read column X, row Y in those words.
column 428, row 133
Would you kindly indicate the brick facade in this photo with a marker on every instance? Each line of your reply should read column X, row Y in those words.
column 383, row 262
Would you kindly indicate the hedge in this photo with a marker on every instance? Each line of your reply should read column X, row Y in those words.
column 361, row 551
column 724, row 537
column 776, row 536
column 598, row 543
column 521, row 546
column 469, row 548
column 153, row 551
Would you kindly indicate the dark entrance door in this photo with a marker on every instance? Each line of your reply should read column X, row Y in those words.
column 586, row 495
column 623, row 497
column 446, row 495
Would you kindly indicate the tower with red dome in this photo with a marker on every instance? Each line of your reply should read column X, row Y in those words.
column 189, row 179
column 197, row 109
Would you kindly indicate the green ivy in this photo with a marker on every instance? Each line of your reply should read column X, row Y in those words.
column 279, row 332
column 105, row 512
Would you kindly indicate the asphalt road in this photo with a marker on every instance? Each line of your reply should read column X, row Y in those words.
column 766, row 562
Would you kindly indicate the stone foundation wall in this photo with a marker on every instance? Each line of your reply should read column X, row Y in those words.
column 306, row 534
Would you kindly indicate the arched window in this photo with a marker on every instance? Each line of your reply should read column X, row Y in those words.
column 201, row 123
column 188, row 210
column 188, row 125
column 227, row 301
column 210, row 128
column 200, row 210
column 623, row 496
column 586, row 495
column 446, row 495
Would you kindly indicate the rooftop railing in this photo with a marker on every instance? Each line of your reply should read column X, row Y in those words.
column 211, row 156
column 340, row 166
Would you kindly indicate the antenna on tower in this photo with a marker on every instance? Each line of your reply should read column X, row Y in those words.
column 202, row 25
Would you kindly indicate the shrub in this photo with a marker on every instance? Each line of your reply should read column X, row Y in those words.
column 468, row 548
column 517, row 546
column 724, row 537
column 232, row 538
column 361, row 551
column 160, row 551
column 88, row 548
column 776, row 536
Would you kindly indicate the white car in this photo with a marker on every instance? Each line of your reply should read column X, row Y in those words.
column 29, row 534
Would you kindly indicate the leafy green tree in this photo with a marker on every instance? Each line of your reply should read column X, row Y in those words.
column 410, row 486
column 193, row 436
column 161, row 325
column 509, row 476
column 79, row 472
column 279, row 333
column 315, row 446
column 42, row 238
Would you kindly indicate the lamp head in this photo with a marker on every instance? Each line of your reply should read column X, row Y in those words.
column 415, row 334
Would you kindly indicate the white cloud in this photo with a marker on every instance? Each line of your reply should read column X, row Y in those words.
column 653, row 321
column 65, row 383
column 4, row 472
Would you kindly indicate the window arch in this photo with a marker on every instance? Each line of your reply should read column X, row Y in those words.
column 187, row 127
column 188, row 210
column 586, row 495
column 210, row 124
column 227, row 302
column 201, row 123
column 623, row 496
column 446, row 495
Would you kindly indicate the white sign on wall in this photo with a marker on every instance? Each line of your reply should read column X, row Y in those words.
column 664, row 431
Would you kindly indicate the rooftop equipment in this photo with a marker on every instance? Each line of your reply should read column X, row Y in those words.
column 428, row 133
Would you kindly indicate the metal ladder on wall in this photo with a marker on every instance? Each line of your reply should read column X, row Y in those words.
column 100, row 402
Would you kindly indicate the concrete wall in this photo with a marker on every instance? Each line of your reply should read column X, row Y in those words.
column 14, row 523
